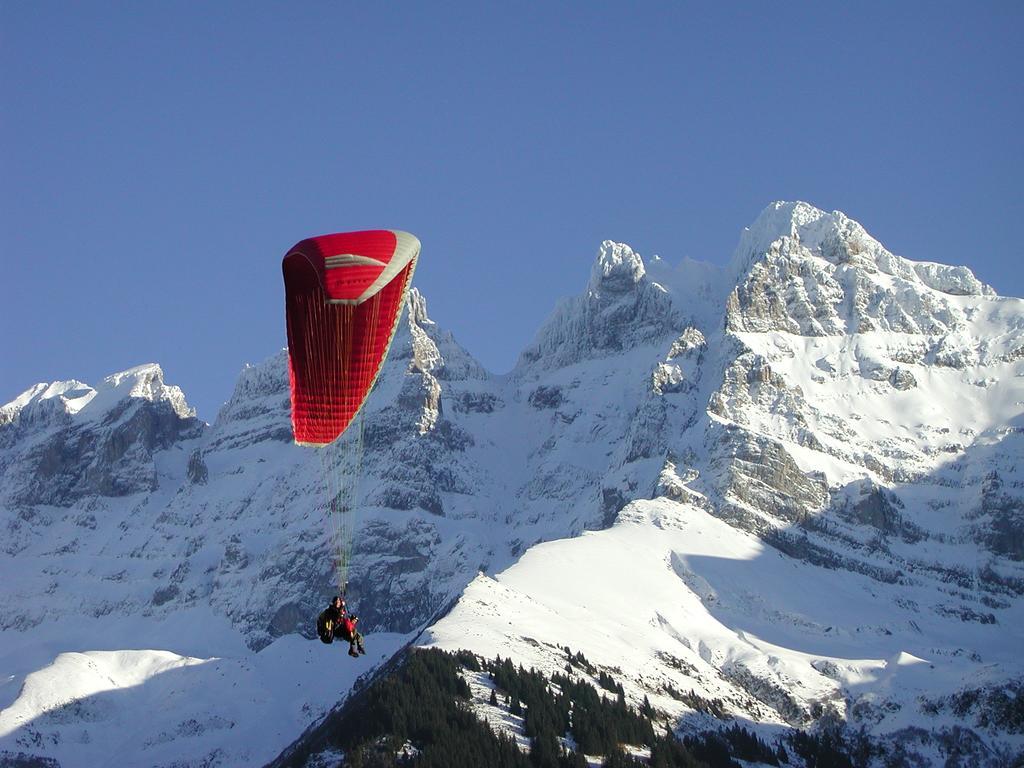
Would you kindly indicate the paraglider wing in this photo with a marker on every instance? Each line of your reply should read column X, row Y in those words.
column 344, row 294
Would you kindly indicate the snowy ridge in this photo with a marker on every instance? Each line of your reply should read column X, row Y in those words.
column 791, row 485
column 683, row 607
column 144, row 382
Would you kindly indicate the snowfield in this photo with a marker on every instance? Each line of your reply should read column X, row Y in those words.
column 150, row 707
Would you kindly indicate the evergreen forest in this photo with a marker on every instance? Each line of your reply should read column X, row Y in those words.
column 416, row 714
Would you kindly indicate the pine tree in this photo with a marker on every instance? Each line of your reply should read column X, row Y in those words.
column 781, row 754
column 545, row 752
column 646, row 709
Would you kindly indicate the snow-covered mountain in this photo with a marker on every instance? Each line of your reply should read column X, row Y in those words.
column 797, row 480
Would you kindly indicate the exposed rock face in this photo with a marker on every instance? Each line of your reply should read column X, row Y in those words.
column 197, row 470
column 762, row 475
column 876, row 509
column 1001, row 517
column 902, row 379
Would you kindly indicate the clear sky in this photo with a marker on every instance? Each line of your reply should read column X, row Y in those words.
column 158, row 158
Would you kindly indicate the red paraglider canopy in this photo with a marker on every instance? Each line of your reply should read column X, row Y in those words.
column 343, row 297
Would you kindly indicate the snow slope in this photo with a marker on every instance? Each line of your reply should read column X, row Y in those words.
column 674, row 602
column 156, row 707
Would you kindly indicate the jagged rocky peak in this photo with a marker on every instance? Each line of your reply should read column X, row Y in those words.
column 691, row 341
column 256, row 381
column 800, row 270
column 418, row 308
column 618, row 269
column 260, row 405
column 806, row 226
column 840, row 240
column 95, row 442
column 620, row 309
column 431, row 349
column 425, row 356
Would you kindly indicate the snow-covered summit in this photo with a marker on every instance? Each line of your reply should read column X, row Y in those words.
column 620, row 308
column 45, row 399
column 433, row 348
column 67, row 441
column 143, row 382
column 841, row 241
column 74, row 398
column 804, row 271
column 260, row 387
column 617, row 269
column 780, row 219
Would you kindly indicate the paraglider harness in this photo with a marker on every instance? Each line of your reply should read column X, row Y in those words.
column 328, row 626
column 335, row 622
column 325, row 625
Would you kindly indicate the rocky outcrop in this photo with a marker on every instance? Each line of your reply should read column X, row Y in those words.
column 877, row 508
column 760, row 474
column 1000, row 517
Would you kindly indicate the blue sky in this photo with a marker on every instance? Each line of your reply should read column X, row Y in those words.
column 157, row 159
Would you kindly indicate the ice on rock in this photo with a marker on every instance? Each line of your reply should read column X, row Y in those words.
column 620, row 309
column 958, row 281
column 667, row 378
column 617, row 269
column 689, row 342
column 417, row 308
column 842, row 241
column 778, row 220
